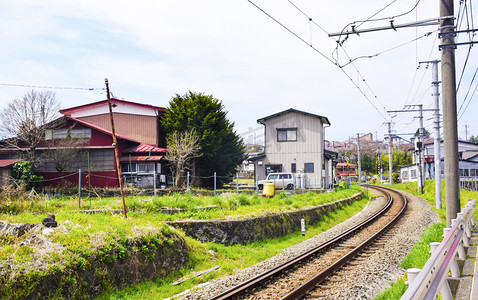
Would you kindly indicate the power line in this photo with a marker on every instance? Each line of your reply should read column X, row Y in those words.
column 471, row 97
column 350, row 62
column 292, row 32
column 387, row 50
column 464, row 67
column 378, row 19
column 360, row 90
column 52, row 87
column 323, row 55
column 308, row 17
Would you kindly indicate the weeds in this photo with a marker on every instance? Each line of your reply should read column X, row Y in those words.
column 82, row 239
column 420, row 252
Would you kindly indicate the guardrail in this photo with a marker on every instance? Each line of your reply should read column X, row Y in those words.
column 432, row 279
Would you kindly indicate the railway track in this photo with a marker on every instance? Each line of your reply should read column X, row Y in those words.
column 301, row 277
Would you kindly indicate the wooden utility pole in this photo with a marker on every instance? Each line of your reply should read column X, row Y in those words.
column 115, row 144
column 450, row 131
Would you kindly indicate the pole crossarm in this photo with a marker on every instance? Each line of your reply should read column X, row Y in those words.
column 409, row 110
column 427, row 22
column 440, row 47
column 440, row 35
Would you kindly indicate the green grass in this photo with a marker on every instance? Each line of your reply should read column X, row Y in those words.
column 419, row 254
column 230, row 258
column 225, row 205
column 81, row 238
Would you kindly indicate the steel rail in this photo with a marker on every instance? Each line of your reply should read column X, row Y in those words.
column 319, row 277
column 254, row 281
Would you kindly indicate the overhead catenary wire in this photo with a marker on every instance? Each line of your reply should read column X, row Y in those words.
column 292, row 32
column 323, row 55
column 350, row 62
column 338, row 44
column 387, row 50
column 466, row 96
column 370, row 19
column 52, row 87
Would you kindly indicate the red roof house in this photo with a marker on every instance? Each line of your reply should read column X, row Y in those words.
column 83, row 140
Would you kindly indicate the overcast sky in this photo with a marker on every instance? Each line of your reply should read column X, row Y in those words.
column 259, row 57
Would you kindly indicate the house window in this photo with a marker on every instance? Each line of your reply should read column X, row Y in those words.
column 146, row 168
column 309, row 168
column 413, row 174
column 473, row 172
column 273, row 169
column 293, row 168
column 286, row 134
column 128, row 167
column 80, row 133
column 102, row 160
column 59, row 134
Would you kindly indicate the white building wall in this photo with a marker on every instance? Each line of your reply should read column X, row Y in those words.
column 125, row 108
column 308, row 148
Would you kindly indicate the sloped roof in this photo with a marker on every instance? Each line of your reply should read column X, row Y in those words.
column 8, row 162
column 145, row 148
column 322, row 118
column 69, row 111
column 141, row 158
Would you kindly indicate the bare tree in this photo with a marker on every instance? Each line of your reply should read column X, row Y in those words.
column 183, row 147
column 25, row 120
column 65, row 153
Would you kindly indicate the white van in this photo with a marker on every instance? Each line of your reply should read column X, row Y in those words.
column 280, row 180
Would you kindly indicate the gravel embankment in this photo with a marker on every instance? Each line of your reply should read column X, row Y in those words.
column 363, row 282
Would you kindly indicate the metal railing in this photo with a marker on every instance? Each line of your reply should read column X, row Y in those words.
column 432, row 279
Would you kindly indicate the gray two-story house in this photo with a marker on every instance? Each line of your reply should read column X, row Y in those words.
column 294, row 142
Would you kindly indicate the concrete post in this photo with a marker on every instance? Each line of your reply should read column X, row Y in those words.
column 436, row 144
column 79, row 188
column 450, row 131
column 411, row 275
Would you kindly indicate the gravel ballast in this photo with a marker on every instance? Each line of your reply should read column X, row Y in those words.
column 365, row 281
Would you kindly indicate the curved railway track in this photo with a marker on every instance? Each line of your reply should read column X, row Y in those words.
column 302, row 275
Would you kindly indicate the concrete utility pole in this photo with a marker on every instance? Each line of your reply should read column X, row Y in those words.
column 466, row 132
column 390, row 166
column 421, row 139
column 421, row 160
column 436, row 144
column 359, row 159
column 450, row 132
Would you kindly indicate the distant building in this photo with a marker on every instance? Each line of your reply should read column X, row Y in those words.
column 467, row 163
column 294, row 142
column 141, row 145
column 6, row 171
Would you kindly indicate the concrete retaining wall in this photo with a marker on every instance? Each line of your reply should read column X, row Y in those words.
column 249, row 230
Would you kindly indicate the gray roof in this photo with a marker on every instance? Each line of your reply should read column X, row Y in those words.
column 322, row 118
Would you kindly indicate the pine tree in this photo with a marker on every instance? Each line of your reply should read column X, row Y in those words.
column 222, row 150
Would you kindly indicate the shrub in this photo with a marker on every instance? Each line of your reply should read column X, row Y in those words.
column 23, row 174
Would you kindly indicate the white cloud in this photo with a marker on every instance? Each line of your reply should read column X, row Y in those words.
column 151, row 50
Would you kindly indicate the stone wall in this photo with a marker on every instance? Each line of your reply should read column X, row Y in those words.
column 100, row 276
column 249, row 230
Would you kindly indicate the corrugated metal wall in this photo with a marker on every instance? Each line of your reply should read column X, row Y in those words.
column 140, row 128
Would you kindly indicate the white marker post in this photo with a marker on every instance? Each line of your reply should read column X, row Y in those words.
column 302, row 226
